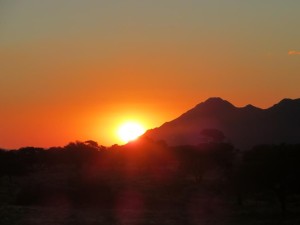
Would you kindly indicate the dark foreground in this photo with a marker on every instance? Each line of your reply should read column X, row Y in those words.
column 21, row 215
column 150, row 183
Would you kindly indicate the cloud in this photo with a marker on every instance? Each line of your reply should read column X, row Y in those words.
column 293, row 52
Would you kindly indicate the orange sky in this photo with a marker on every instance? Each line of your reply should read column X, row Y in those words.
column 75, row 70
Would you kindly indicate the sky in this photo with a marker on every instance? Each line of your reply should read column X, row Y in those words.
column 77, row 69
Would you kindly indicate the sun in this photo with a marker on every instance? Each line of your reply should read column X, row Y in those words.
column 130, row 131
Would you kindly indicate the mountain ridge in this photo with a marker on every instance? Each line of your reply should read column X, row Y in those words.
column 243, row 126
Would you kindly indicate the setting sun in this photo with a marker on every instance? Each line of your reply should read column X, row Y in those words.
column 130, row 131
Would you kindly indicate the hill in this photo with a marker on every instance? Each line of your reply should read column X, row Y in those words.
column 243, row 126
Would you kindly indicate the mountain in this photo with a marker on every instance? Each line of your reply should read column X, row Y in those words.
column 243, row 126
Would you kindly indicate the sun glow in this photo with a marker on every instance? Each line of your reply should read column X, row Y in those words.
column 130, row 131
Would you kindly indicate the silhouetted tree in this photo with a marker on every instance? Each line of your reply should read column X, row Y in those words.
column 212, row 135
column 270, row 168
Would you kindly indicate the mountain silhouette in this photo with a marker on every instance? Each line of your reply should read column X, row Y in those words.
column 242, row 126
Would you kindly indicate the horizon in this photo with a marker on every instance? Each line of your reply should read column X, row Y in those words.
column 81, row 69
column 149, row 129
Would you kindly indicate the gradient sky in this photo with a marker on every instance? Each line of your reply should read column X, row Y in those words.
column 75, row 69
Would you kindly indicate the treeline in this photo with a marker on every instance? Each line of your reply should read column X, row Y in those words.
column 84, row 173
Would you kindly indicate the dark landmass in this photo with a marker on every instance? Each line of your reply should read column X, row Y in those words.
column 149, row 182
column 244, row 127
